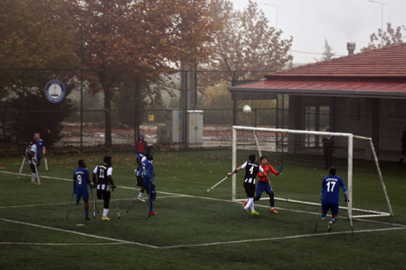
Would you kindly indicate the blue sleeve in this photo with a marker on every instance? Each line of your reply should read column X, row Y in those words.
column 87, row 175
column 323, row 186
column 150, row 173
column 344, row 188
column 145, row 149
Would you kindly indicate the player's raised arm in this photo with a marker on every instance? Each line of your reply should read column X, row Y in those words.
column 235, row 171
column 275, row 172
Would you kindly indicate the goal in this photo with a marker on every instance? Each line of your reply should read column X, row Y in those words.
column 305, row 160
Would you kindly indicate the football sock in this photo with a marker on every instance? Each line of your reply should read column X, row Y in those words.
column 251, row 204
column 105, row 212
column 87, row 213
column 333, row 220
column 140, row 195
column 33, row 177
column 272, row 199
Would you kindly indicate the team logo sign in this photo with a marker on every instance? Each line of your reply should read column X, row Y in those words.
column 55, row 91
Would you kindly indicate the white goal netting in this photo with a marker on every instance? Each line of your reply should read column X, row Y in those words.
column 305, row 157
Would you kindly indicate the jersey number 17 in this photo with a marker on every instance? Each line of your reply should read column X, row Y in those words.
column 330, row 184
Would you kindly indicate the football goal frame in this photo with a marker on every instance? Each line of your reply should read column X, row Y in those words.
column 350, row 155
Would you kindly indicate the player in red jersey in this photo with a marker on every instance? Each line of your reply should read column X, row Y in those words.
column 263, row 183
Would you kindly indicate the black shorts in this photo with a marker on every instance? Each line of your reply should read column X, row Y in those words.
column 103, row 194
column 32, row 166
column 249, row 189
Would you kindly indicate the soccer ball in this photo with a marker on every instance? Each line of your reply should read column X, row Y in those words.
column 246, row 109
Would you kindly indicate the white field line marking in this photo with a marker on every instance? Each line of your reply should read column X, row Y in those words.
column 79, row 233
column 228, row 201
column 59, row 244
column 118, row 241
column 31, row 205
column 279, row 238
column 400, row 226
column 51, row 204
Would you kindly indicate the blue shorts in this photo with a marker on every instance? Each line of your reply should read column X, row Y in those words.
column 153, row 191
column 263, row 186
column 82, row 193
column 332, row 206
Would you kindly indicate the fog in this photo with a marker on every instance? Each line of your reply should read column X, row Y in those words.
column 310, row 22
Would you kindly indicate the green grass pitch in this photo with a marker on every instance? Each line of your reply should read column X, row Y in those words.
column 192, row 230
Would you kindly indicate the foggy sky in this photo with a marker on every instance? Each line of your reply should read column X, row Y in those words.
column 338, row 21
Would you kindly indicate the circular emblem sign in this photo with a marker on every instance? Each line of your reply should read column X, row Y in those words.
column 55, row 91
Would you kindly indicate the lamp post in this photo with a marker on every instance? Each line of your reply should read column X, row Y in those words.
column 382, row 4
column 276, row 14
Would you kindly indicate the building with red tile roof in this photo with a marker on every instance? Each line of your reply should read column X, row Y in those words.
column 363, row 94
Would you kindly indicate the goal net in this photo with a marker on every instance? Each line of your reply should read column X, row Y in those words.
column 305, row 157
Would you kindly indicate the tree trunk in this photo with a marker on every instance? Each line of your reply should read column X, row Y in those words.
column 107, row 106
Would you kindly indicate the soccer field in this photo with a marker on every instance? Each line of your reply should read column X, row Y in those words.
column 192, row 229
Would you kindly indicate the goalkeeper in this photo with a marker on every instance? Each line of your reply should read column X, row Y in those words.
column 264, row 184
column 330, row 198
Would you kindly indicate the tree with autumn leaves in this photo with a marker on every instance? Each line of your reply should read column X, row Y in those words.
column 245, row 43
column 392, row 36
column 34, row 34
column 150, row 39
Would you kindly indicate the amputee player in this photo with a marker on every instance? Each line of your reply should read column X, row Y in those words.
column 148, row 177
column 330, row 191
column 264, row 184
column 104, row 181
column 41, row 149
column 251, row 170
column 138, row 174
column 81, row 179
column 32, row 159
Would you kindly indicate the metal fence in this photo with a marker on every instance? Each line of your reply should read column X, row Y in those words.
column 108, row 109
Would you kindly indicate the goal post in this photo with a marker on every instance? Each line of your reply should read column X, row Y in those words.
column 305, row 147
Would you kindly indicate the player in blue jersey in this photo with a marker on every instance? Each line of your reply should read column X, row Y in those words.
column 330, row 191
column 140, row 181
column 148, row 179
column 81, row 179
column 41, row 150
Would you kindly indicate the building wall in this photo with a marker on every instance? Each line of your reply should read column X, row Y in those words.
column 381, row 119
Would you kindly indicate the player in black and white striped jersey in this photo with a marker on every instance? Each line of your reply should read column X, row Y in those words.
column 251, row 170
column 104, row 175
column 32, row 159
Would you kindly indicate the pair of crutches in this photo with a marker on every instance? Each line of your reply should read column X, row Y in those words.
column 36, row 169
